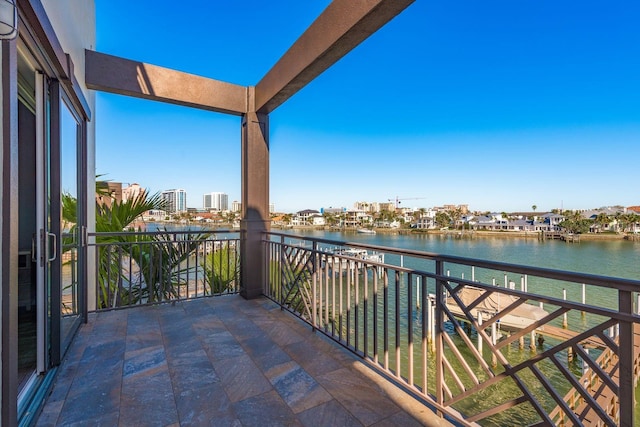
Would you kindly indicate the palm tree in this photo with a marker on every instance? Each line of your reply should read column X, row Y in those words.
column 160, row 259
column 442, row 219
column 122, row 214
column 534, row 207
column 632, row 220
column 222, row 268
column 329, row 218
column 455, row 215
column 575, row 223
column 116, row 217
column 602, row 220
column 157, row 260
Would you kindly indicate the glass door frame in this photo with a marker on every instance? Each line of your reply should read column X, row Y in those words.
column 59, row 101
column 44, row 236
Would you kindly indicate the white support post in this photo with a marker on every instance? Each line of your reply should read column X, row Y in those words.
column 565, row 324
column 478, row 331
column 532, row 341
column 433, row 325
column 585, row 365
column 494, row 340
column 429, row 320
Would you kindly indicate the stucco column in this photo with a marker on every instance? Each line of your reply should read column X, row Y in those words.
column 255, row 199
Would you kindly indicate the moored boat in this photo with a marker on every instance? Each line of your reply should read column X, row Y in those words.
column 366, row 231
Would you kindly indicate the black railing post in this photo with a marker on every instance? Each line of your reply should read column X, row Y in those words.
column 626, row 356
column 314, row 294
column 280, row 283
column 439, row 331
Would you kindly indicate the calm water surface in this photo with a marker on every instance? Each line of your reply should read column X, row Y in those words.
column 619, row 258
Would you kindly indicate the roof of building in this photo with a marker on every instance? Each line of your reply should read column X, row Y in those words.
column 308, row 212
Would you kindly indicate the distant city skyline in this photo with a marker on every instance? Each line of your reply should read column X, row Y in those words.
column 220, row 201
column 504, row 104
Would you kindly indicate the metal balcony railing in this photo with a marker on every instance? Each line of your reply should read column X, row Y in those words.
column 137, row 268
column 484, row 342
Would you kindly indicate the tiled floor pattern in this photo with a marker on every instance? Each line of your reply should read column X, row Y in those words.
column 220, row 361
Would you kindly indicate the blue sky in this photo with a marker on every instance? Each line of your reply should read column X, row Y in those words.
column 497, row 104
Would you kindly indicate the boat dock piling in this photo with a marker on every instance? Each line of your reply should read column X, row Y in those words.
column 565, row 323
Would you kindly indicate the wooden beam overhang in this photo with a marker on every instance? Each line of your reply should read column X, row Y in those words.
column 342, row 26
column 113, row 74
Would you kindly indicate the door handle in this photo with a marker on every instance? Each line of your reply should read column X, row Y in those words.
column 34, row 248
column 54, row 238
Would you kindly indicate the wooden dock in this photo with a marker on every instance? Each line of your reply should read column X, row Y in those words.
column 571, row 238
column 608, row 401
column 558, row 235
column 567, row 334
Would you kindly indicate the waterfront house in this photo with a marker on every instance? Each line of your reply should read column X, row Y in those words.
column 317, row 220
column 482, row 222
column 520, row 225
column 304, row 217
column 357, row 218
column 545, row 226
column 491, row 222
column 425, row 223
column 552, row 218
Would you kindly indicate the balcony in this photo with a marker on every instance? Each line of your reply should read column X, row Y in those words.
column 219, row 361
column 366, row 339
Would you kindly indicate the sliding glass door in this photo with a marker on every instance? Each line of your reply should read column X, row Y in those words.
column 52, row 225
column 72, row 227
column 37, row 243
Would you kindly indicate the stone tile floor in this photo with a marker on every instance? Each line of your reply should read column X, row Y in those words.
column 221, row 361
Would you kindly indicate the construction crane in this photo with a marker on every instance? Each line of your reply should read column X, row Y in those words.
column 399, row 200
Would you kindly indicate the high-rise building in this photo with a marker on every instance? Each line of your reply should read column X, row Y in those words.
column 215, row 201
column 175, row 200
column 236, row 206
